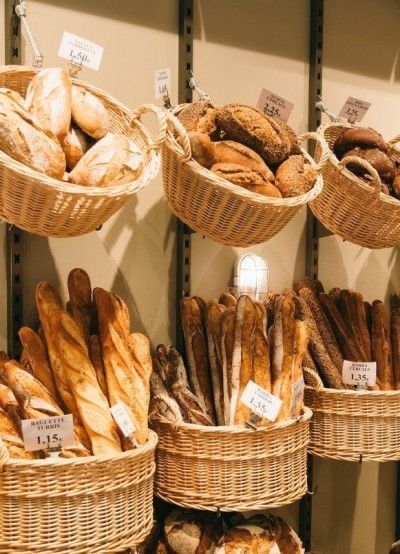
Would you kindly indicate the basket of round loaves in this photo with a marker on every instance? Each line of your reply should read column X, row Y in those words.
column 351, row 422
column 97, row 495
column 360, row 200
column 213, row 453
column 234, row 174
column 70, row 154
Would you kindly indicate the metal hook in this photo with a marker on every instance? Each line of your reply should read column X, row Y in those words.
column 252, row 424
column 201, row 93
column 311, row 493
column 321, row 106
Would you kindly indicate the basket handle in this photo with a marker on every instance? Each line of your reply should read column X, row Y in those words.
column 312, row 378
column 376, row 180
column 4, row 455
column 319, row 139
column 181, row 142
column 394, row 140
column 162, row 119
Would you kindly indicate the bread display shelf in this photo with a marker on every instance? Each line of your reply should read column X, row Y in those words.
column 353, row 425
column 82, row 505
column 231, row 468
column 215, row 207
column 351, row 208
column 46, row 206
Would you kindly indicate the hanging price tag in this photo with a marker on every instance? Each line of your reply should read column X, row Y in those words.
column 260, row 401
column 48, row 433
column 359, row 374
column 274, row 105
column 122, row 419
column 354, row 109
column 162, row 82
column 80, row 51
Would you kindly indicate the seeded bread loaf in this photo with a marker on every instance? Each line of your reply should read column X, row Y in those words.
column 249, row 179
column 200, row 117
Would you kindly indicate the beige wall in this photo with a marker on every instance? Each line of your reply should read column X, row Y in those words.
column 240, row 46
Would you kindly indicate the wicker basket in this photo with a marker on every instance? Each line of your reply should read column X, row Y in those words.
column 216, row 208
column 353, row 425
column 45, row 206
column 231, row 468
column 351, row 208
column 85, row 505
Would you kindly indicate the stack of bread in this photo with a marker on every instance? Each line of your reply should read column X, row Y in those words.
column 195, row 532
column 228, row 343
column 369, row 145
column 248, row 148
column 343, row 326
column 60, row 127
column 83, row 360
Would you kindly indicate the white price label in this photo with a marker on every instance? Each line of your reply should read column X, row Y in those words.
column 274, row 105
column 359, row 374
column 162, row 82
column 49, row 432
column 80, row 51
column 260, row 401
column 122, row 419
column 354, row 109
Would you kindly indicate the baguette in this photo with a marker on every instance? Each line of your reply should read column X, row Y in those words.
column 227, row 346
column 80, row 304
column 286, row 374
column 362, row 326
column 300, row 351
column 228, row 300
column 395, row 342
column 347, row 310
column 275, row 336
column 261, row 365
column 161, row 402
column 96, row 359
column 9, row 404
column 197, row 354
column 139, row 346
column 214, row 313
column 381, row 348
column 10, row 436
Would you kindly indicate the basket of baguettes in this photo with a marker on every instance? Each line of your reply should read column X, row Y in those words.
column 70, row 154
column 351, row 424
column 234, row 174
column 98, row 495
column 212, row 453
column 360, row 200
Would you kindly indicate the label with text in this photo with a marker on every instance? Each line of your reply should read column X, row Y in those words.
column 122, row 419
column 260, row 401
column 274, row 105
column 80, row 51
column 354, row 109
column 359, row 374
column 50, row 432
column 162, row 82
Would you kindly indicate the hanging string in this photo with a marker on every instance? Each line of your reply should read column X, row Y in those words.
column 20, row 10
column 201, row 93
column 321, row 106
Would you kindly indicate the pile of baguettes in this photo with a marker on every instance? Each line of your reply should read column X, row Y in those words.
column 343, row 326
column 62, row 130
column 83, row 360
column 228, row 343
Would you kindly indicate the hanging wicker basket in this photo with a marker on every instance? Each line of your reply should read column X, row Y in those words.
column 231, row 468
column 45, row 206
column 350, row 207
column 353, row 425
column 81, row 505
column 218, row 209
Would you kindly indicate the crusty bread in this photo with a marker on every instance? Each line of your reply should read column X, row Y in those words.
column 80, row 305
column 378, row 159
column 49, row 98
column 214, row 312
column 9, row 435
column 231, row 152
column 202, row 149
column 228, row 300
column 381, row 346
column 358, row 136
column 10, row 97
column 247, row 538
column 89, row 113
column 295, row 177
column 192, row 532
column 75, row 146
column 96, row 358
column 250, row 179
column 200, row 117
column 227, row 346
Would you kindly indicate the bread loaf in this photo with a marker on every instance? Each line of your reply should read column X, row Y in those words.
column 161, row 402
column 228, row 300
column 249, row 539
column 358, row 137
column 261, row 362
column 80, row 305
column 89, row 113
column 8, row 98
column 202, row 149
column 286, row 538
column 10, row 436
column 395, row 343
column 200, row 117
column 112, row 160
column 295, row 177
column 75, row 146
column 192, row 532
column 227, row 346
column 381, row 347
column 231, row 152
column 96, row 359
column 214, row 312
column 250, row 179
column 49, row 98
column 378, row 159
column 288, row 342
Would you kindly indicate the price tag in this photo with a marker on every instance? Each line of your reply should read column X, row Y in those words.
column 50, row 432
column 354, row 109
column 80, row 51
column 162, row 82
column 122, row 419
column 359, row 374
column 260, row 401
column 274, row 105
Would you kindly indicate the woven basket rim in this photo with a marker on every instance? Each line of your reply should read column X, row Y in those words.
column 351, row 393
column 74, row 462
column 356, row 181
column 234, row 429
column 71, row 188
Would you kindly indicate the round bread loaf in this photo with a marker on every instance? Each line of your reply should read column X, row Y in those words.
column 295, row 177
column 378, row 159
column 358, row 136
column 249, row 539
column 200, row 117
column 202, row 149
column 229, row 151
column 395, row 548
column 287, row 539
column 267, row 136
column 192, row 532
column 250, row 179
